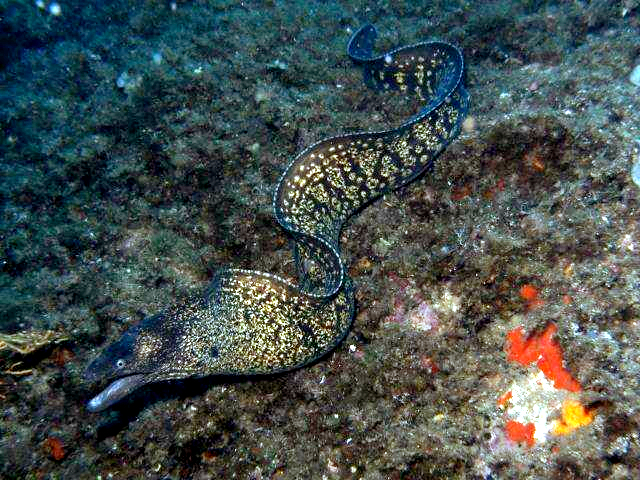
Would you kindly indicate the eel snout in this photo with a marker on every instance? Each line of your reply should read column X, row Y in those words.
column 115, row 392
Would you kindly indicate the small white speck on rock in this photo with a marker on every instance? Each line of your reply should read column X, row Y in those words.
column 634, row 77
column 635, row 173
column 55, row 9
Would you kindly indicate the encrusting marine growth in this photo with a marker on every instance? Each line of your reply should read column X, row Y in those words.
column 545, row 351
column 252, row 322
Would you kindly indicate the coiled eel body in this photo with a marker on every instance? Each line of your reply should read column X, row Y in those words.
column 251, row 322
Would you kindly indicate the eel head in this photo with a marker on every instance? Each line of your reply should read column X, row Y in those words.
column 125, row 364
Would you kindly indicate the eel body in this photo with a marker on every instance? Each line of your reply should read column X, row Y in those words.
column 251, row 322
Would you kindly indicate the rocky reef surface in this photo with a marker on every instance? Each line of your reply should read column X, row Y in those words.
column 497, row 328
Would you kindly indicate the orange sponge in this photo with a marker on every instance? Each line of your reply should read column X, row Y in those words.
column 574, row 415
column 519, row 432
column 544, row 350
column 530, row 293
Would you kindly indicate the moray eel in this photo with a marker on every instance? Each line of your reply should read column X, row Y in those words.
column 251, row 322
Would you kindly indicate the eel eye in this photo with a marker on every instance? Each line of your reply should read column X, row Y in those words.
column 119, row 363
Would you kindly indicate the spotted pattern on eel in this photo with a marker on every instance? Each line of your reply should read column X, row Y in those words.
column 250, row 322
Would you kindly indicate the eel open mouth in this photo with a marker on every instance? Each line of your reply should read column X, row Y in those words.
column 116, row 391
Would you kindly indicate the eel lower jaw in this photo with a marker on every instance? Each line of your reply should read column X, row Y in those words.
column 116, row 391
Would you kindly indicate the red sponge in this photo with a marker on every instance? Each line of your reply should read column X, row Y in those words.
column 544, row 350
